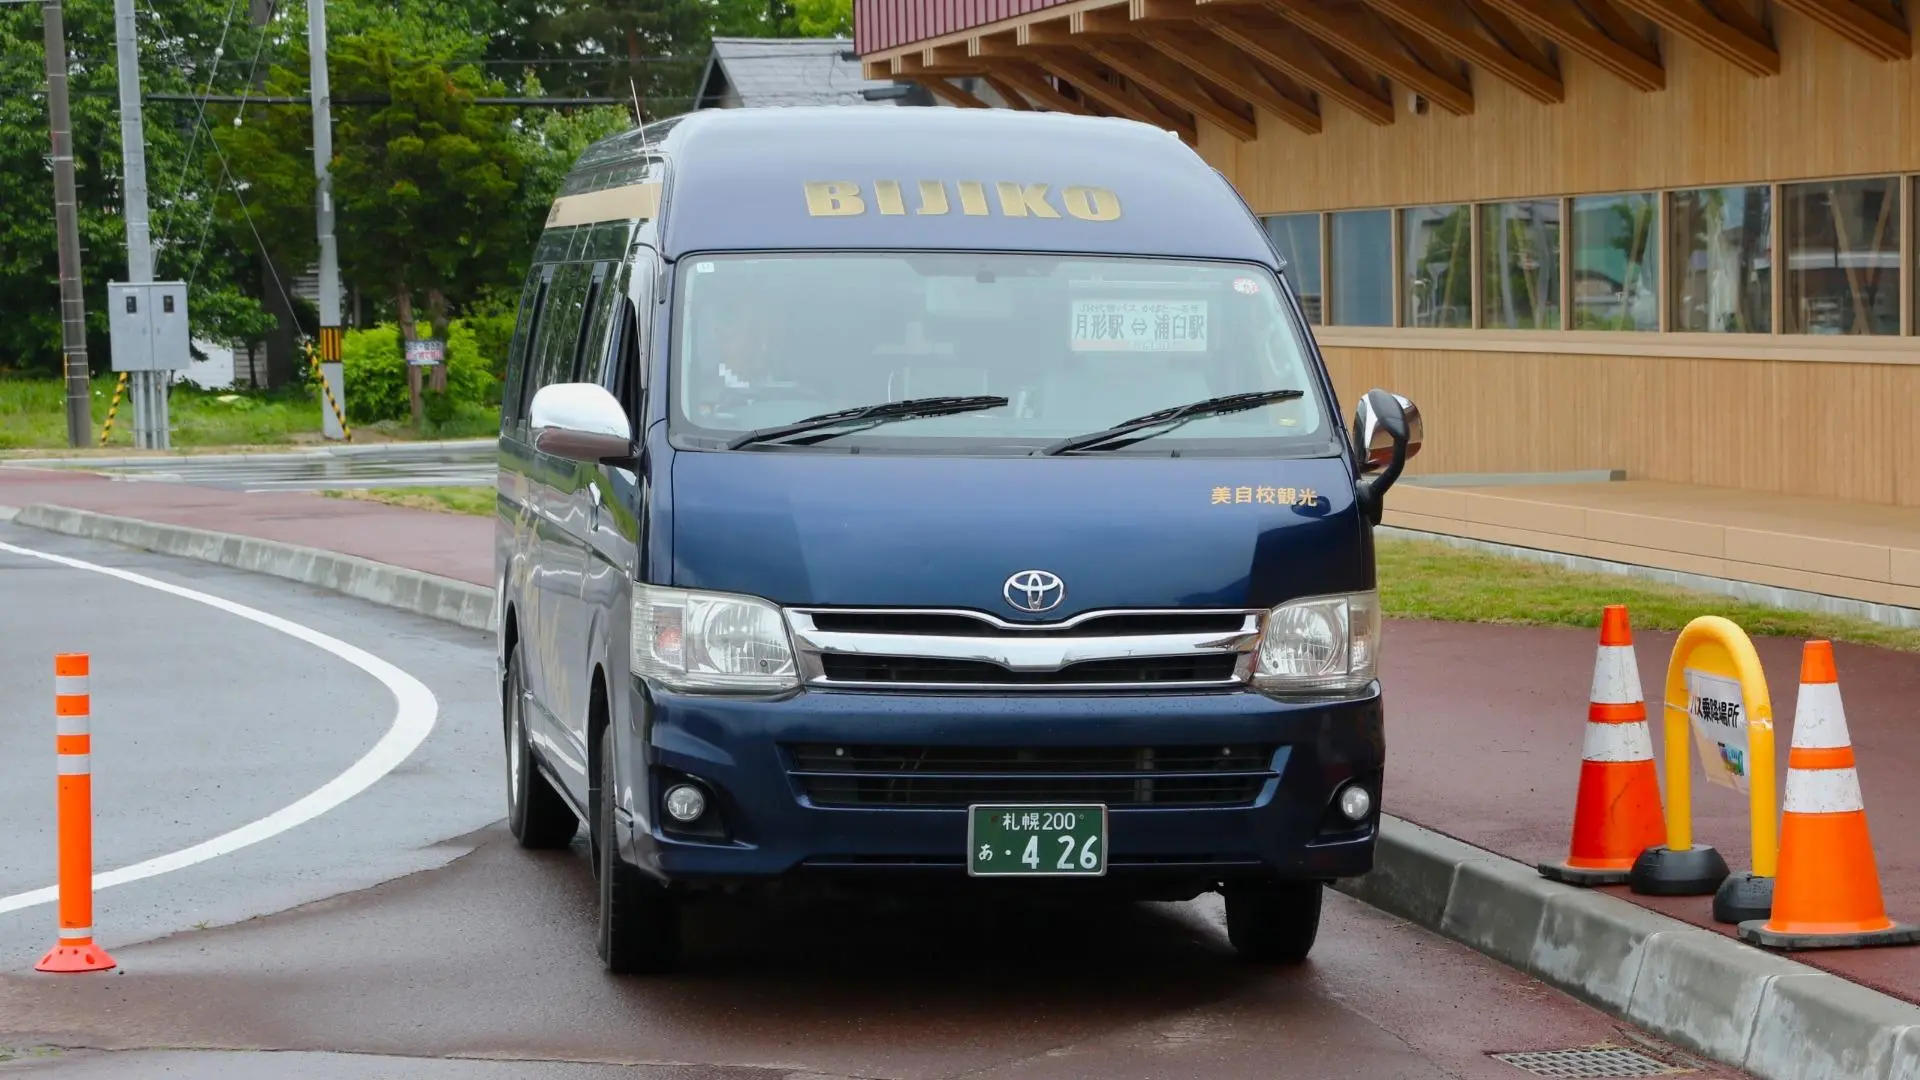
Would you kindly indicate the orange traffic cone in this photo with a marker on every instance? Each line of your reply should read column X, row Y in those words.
column 1827, row 894
column 1617, row 813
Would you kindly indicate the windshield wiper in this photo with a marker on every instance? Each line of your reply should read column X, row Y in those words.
column 1172, row 418
column 867, row 416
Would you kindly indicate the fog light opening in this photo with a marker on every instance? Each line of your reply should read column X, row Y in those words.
column 685, row 803
column 1355, row 803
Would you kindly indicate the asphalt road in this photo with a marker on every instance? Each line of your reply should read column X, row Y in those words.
column 400, row 934
column 399, row 468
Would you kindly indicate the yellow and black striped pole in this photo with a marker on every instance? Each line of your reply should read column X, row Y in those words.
column 119, row 388
column 329, row 334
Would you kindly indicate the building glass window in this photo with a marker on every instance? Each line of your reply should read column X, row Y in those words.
column 1843, row 257
column 1362, row 267
column 1297, row 236
column 1520, row 265
column 1435, row 253
column 1616, row 262
column 1722, row 251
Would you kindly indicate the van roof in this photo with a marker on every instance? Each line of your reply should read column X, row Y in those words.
column 829, row 177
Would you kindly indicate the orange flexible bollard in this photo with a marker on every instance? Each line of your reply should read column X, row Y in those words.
column 72, row 705
column 1617, row 811
column 1828, row 893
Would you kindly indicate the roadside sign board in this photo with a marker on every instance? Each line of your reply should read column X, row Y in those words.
column 1717, row 707
column 427, row 352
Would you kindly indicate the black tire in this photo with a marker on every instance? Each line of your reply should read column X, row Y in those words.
column 639, row 918
column 536, row 814
column 1274, row 922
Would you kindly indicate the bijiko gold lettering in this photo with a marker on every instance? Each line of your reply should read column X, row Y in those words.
column 933, row 198
column 834, row 198
column 1091, row 203
column 1021, row 200
column 886, row 195
column 1015, row 199
column 973, row 198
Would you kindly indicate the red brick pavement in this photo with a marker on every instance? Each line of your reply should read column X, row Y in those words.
column 1485, row 722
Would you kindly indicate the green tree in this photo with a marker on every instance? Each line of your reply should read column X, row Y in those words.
column 177, row 50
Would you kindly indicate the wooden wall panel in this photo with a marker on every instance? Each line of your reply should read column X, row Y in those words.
column 1815, row 429
column 1833, row 110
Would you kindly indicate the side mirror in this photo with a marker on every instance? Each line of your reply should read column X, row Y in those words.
column 580, row 422
column 1387, row 431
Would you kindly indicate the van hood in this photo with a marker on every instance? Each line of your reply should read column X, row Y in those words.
column 905, row 531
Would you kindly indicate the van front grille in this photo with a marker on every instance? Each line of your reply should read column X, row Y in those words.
column 937, row 777
column 896, row 649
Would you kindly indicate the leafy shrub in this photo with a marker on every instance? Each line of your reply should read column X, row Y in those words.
column 375, row 365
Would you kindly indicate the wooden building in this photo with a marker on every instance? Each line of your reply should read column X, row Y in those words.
column 1670, row 238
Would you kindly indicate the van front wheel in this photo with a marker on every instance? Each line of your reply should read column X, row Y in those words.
column 1274, row 922
column 639, row 918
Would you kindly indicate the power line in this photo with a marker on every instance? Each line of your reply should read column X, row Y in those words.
column 186, row 161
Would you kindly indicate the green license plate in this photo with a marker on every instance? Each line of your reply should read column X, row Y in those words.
column 1037, row 841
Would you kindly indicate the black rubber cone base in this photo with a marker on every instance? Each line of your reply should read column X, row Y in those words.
column 1661, row 871
column 1743, row 898
column 1585, row 878
column 1756, row 933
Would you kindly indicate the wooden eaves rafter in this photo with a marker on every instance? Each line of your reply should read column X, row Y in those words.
column 1874, row 25
column 1726, row 29
column 1611, row 43
column 1268, row 40
column 1362, row 34
column 1108, row 35
column 1050, row 48
column 1486, row 38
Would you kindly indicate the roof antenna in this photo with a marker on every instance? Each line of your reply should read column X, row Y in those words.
column 639, row 118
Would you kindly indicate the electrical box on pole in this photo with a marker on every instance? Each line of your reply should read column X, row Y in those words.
column 147, row 325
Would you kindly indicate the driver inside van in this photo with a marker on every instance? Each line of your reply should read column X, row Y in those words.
column 741, row 366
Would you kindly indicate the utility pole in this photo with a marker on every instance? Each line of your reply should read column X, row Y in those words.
column 330, row 366
column 73, row 315
column 150, row 426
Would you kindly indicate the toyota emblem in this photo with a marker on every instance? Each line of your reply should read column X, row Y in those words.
column 1034, row 591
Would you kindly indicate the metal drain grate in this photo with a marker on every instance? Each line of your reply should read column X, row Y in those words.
column 1589, row 1063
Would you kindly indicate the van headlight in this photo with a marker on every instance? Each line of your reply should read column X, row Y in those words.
column 702, row 642
column 1320, row 645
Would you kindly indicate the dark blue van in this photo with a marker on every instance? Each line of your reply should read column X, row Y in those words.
column 934, row 495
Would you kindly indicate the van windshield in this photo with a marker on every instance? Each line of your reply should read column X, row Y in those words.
column 1075, row 344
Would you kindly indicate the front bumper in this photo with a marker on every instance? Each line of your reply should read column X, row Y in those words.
column 772, row 823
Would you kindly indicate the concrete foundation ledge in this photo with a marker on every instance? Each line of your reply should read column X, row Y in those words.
column 1718, row 997
column 457, row 602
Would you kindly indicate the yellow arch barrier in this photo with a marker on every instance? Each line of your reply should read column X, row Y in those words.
column 1716, row 687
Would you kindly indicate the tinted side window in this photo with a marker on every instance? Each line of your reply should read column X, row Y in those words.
column 553, row 355
column 519, row 350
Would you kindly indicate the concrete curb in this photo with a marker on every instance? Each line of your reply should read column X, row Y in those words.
column 436, row 597
column 395, row 449
column 1713, row 995
column 1718, row 997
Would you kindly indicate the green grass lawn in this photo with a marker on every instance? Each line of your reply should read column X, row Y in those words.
column 1425, row 580
column 478, row 501
column 33, row 418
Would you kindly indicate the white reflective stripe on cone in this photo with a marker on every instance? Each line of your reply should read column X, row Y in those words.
column 79, row 933
column 1819, row 723
column 69, row 684
column 75, row 765
column 1618, row 742
column 1823, row 791
column 73, row 725
column 1616, row 678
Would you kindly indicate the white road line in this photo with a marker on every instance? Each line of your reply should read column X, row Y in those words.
column 416, row 711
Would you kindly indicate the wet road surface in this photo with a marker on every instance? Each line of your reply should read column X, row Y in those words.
column 403, row 936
